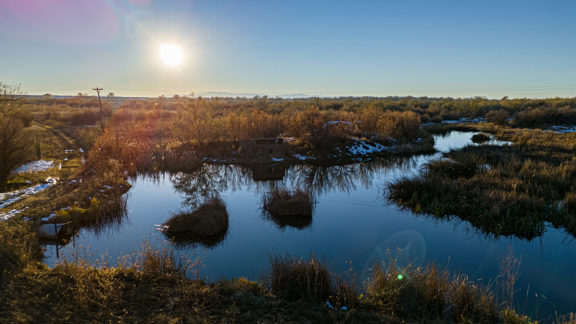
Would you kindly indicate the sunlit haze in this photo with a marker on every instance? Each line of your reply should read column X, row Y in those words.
column 326, row 48
column 171, row 54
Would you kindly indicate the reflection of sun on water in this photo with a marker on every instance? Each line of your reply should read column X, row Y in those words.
column 171, row 54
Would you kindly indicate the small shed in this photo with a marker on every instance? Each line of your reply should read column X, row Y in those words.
column 267, row 145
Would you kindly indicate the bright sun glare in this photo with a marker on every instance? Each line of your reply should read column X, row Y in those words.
column 171, row 54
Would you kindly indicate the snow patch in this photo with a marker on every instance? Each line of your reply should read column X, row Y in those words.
column 563, row 129
column 8, row 198
column 303, row 157
column 35, row 166
column 365, row 148
column 4, row 216
column 277, row 159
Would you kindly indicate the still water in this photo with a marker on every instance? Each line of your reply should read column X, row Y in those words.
column 352, row 222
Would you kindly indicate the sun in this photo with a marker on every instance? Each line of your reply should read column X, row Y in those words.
column 171, row 54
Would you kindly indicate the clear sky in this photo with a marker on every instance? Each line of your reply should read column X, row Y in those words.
column 458, row 48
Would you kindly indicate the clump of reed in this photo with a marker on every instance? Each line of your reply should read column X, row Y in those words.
column 158, row 259
column 207, row 221
column 298, row 279
column 282, row 202
column 311, row 280
column 426, row 294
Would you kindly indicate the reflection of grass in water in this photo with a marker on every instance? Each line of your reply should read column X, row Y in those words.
column 187, row 239
column 299, row 222
column 501, row 190
column 101, row 215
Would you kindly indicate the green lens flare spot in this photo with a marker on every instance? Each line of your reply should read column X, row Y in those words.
column 400, row 277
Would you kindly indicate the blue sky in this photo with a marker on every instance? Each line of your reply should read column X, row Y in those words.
column 332, row 48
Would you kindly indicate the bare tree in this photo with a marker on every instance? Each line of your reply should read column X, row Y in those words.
column 14, row 146
column 10, row 99
column 197, row 122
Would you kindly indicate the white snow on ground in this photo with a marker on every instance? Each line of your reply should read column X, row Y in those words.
column 35, row 166
column 303, row 157
column 8, row 198
column 364, row 148
column 277, row 159
column 4, row 216
column 563, row 129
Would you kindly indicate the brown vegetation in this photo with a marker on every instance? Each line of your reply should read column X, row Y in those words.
column 532, row 182
column 210, row 220
column 299, row 279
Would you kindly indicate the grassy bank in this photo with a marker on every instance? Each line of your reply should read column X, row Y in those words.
column 86, row 192
column 501, row 190
column 153, row 287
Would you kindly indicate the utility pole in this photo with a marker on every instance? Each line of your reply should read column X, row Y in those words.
column 99, row 101
column 101, row 110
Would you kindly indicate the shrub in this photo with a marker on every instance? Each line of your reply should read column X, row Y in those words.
column 210, row 219
column 499, row 117
column 18, row 246
column 399, row 125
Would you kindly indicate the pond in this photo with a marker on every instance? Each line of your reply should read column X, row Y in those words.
column 352, row 222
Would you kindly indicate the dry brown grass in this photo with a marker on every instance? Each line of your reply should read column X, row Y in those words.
column 210, row 219
column 298, row 279
column 424, row 294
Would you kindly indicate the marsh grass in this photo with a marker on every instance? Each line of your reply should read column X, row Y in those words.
column 298, row 279
column 158, row 284
column 509, row 272
column 501, row 190
column 428, row 293
column 158, row 259
column 83, row 290
column 422, row 294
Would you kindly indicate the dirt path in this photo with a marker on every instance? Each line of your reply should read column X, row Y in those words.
column 67, row 142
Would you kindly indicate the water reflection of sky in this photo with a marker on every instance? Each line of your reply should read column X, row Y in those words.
column 352, row 222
